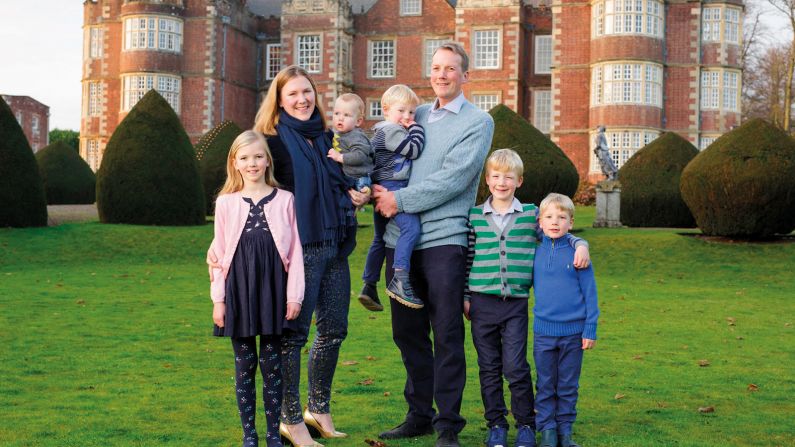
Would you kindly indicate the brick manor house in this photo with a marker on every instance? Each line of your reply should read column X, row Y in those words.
column 639, row 67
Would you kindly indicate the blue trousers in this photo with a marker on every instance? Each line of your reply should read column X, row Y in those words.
column 499, row 331
column 558, row 365
column 409, row 225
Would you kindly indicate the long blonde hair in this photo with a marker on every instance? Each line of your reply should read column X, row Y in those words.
column 234, row 181
column 268, row 114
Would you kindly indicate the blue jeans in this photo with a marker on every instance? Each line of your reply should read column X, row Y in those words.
column 558, row 365
column 409, row 225
column 327, row 295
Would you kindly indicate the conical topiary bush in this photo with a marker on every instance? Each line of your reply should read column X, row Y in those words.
column 212, row 151
column 546, row 167
column 22, row 202
column 743, row 185
column 650, row 194
column 67, row 177
column 148, row 174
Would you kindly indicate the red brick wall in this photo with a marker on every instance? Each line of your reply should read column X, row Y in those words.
column 28, row 108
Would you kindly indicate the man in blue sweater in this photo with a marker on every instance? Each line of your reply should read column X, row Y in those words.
column 441, row 189
column 564, row 322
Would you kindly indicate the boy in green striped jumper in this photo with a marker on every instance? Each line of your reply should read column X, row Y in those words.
column 502, row 243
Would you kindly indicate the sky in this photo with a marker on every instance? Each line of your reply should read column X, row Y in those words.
column 41, row 52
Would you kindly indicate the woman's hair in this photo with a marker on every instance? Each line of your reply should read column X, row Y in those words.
column 234, row 181
column 399, row 94
column 268, row 114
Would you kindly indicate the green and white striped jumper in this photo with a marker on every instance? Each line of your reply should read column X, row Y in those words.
column 502, row 260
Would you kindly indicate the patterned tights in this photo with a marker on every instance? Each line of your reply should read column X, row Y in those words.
column 245, row 386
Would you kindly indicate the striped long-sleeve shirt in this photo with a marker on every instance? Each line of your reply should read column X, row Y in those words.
column 395, row 147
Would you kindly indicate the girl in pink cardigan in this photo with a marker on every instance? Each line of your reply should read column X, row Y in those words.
column 259, row 288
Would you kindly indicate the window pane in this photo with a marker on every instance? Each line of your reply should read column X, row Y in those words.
column 487, row 49
column 543, row 54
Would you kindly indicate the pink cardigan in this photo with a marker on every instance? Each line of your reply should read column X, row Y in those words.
column 231, row 213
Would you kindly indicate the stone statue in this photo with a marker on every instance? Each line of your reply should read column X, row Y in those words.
column 602, row 151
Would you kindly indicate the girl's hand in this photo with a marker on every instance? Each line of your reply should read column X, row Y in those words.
column 212, row 260
column 587, row 343
column 334, row 155
column 293, row 309
column 219, row 312
column 358, row 198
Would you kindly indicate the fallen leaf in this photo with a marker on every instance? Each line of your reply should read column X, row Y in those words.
column 662, row 404
column 373, row 443
column 685, row 346
column 637, row 357
column 350, row 362
column 787, row 324
column 619, row 396
column 740, row 338
column 370, row 357
column 709, row 409
column 387, row 394
column 371, row 317
column 731, row 321
column 366, row 382
column 703, row 362
column 753, row 387
column 167, row 365
column 80, row 302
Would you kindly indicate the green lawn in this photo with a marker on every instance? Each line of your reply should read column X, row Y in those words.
column 105, row 341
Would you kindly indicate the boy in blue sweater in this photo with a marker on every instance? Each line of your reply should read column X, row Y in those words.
column 564, row 322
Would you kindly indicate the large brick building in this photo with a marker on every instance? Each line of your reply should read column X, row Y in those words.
column 33, row 117
column 640, row 67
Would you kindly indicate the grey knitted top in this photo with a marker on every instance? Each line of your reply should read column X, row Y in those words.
column 444, row 181
column 357, row 153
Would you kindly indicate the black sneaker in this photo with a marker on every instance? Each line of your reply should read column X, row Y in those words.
column 369, row 298
column 407, row 430
column 400, row 290
column 447, row 438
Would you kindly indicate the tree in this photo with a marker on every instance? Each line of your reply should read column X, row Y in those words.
column 22, row 202
column 70, row 137
column 212, row 151
column 787, row 8
column 763, row 96
column 67, row 177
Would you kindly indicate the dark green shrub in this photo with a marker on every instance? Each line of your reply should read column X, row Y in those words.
column 212, row 151
column 148, row 174
column 67, row 177
column 650, row 194
column 743, row 185
column 22, row 202
column 546, row 167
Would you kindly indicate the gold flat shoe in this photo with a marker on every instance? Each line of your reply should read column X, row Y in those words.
column 286, row 435
column 310, row 420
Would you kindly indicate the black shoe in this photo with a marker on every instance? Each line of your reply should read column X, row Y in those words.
column 447, row 438
column 566, row 441
column 369, row 298
column 407, row 430
column 401, row 291
column 549, row 438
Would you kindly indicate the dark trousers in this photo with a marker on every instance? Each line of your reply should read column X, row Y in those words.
column 558, row 365
column 435, row 370
column 409, row 225
column 499, row 331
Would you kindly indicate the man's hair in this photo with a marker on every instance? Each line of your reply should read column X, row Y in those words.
column 355, row 99
column 559, row 200
column 399, row 94
column 456, row 48
column 505, row 160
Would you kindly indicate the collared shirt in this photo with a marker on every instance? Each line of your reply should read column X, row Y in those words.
column 454, row 106
column 501, row 219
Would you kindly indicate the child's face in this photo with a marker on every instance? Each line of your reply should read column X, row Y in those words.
column 555, row 222
column 251, row 163
column 346, row 116
column 502, row 184
column 400, row 113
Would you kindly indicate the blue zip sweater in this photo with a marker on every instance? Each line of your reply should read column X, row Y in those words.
column 565, row 297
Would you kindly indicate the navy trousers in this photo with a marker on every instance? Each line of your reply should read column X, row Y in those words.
column 558, row 364
column 434, row 370
column 499, row 332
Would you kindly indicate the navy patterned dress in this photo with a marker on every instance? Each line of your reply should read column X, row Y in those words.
column 256, row 286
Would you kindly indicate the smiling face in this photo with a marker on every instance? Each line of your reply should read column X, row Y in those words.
column 503, row 184
column 555, row 222
column 447, row 76
column 400, row 113
column 297, row 98
column 251, row 162
column 346, row 116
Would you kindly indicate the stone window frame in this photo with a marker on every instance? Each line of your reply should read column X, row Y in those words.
column 93, row 42
column 627, row 83
column 628, row 17
column 93, row 154
column 34, row 124
column 537, row 119
column 386, row 65
column 429, row 46
column 153, row 32
column 479, row 96
column 168, row 85
column 311, row 62
column 478, row 59
column 410, row 7
column 721, row 23
column 716, row 92
column 93, row 100
column 345, row 58
column 537, row 55
column 624, row 142
column 273, row 60
column 706, row 139
column 374, row 109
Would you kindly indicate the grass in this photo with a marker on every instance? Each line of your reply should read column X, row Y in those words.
column 105, row 341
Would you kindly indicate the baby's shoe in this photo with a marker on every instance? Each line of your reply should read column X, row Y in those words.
column 401, row 291
column 369, row 298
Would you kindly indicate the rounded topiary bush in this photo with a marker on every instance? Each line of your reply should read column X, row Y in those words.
column 22, row 202
column 650, row 194
column 212, row 151
column 67, row 177
column 743, row 185
column 546, row 167
column 148, row 174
